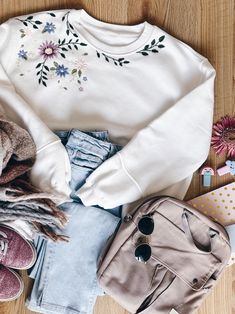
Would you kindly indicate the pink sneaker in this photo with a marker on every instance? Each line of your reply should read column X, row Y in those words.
column 11, row 285
column 15, row 251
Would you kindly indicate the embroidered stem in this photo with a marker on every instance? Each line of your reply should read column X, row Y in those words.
column 30, row 20
column 152, row 47
column 63, row 44
column 70, row 28
column 116, row 61
column 42, row 73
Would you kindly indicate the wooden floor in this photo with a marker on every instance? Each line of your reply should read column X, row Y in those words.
column 208, row 26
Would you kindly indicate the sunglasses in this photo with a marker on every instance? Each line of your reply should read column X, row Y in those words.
column 143, row 251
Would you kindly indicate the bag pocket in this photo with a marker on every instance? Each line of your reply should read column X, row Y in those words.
column 128, row 280
column 163, row 284
column 171, row 248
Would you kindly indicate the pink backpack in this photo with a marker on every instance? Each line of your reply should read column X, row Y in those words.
column 165, row 255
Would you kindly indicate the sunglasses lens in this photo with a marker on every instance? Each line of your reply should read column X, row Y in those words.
column 143, row 253
column 146, row 225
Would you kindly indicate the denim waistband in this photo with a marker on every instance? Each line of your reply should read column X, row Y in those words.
column 64, row 135
column 87, row 149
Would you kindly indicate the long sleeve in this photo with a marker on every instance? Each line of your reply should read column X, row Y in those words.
column 164, row 153
column 51, row 170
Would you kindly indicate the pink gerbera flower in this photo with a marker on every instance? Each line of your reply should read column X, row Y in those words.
column 48, row 50
column 223, row 136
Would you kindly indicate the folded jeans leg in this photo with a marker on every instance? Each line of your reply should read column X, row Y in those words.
column 65, row 277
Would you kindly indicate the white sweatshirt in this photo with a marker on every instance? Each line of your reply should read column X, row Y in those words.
column 154, row 94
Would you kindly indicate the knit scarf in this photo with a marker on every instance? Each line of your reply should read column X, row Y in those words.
column 18, row 198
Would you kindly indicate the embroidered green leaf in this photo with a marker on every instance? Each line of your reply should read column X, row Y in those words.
column 67, row 32
column 29, row 17
column 44, row 83
column 62, row 55
column 85, row 54
column 79, row 81
column 83, row 44
column 79, row 73
column 46, row 67
column 44, row 72
column 144, row 53
column 98, row 54
column 52, row 14
column 106, row 59
column 38, row 22
column 34, row 26
column 161, row 38
column 126, row 62
column 22, row 35
column 55, row 64
column 153, row 42
column 71, row 26
column 146, row 47
column 75, row 35
column 74, row 71
column 69, row 47
column 63, row 41
column 21, row 30
column 161, row 46
column 63, row 18
column 76, row 47
column 59, row 41
column 52, row 69
column 64, row 49
column 121, row 59
column 25, row 24
column 115, row 63
column 154, row 50
column 38, row 65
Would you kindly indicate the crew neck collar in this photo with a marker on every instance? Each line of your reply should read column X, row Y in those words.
column 142, row 31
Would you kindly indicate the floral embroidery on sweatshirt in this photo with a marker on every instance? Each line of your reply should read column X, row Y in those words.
column 50, row 50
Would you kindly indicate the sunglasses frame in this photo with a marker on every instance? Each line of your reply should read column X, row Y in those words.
column 145, row 235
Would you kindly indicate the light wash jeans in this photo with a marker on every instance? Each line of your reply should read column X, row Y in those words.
column 65, row 273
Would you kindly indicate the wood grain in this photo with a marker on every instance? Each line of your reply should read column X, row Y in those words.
column 206, row 25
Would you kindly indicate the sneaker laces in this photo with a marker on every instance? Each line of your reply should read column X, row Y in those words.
column 3, row 243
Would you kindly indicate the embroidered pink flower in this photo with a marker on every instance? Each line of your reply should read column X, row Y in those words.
column 223, row 136
column 48, row 50
column 80, row 64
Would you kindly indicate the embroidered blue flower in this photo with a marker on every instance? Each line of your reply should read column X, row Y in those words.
column 84, row 78
column 61, row 71
column 49, row 28
column 22, row 54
